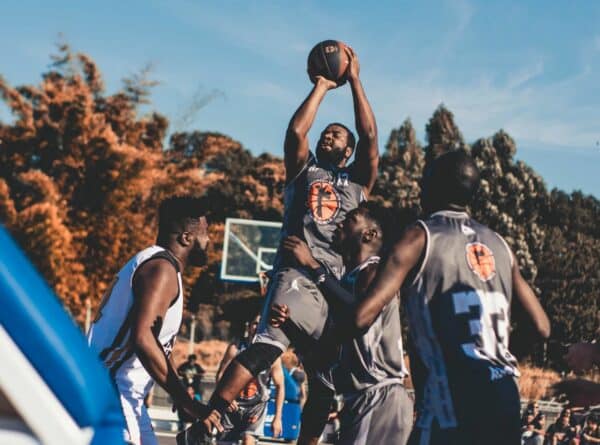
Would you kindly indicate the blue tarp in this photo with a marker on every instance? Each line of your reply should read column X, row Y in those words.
column 34, row 318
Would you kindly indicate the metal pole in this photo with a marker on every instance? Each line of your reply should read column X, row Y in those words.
column 192, row 334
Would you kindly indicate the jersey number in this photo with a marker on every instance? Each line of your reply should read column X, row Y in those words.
column 488, row 326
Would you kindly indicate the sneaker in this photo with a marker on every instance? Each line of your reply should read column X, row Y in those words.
column 196, row 434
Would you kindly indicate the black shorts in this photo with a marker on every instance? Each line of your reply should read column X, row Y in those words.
column 485, row 414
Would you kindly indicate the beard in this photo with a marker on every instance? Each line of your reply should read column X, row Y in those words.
column 334, row 157
column 198, row 257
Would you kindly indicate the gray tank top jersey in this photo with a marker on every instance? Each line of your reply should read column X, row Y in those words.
column 375, row 358
column 315, row 202
column 257, row 390
column 458, row 307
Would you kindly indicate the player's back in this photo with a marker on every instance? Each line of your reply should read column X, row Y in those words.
column 458, row 306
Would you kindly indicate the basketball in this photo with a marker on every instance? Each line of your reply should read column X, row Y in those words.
column 328, row 59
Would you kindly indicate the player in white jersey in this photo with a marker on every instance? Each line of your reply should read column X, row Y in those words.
column 141, row 311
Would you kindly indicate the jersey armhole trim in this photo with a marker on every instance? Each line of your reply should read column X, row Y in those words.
column 510, row 254
column 427, row 248
column 310, row 160
column 167, row 257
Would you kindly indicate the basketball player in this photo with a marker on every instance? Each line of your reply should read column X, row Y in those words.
column 319, row 191
column 457, row 279
column 247, row 416
column 369, row 369
column 140, row 314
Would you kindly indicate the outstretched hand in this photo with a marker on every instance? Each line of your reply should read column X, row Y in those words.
column 321, row 81
column 300, row 251
column 353, row 69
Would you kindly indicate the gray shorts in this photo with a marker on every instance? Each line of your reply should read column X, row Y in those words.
column 246, row 420
column 381, row 415
column 308, row 309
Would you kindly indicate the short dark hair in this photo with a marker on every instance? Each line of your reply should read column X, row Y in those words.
column 180, row 213
column 351, row 137
column 593, row 418
column 452, row 178
column 370, row 213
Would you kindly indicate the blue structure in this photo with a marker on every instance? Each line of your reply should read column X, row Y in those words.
column 40, row 339
column 290, row 416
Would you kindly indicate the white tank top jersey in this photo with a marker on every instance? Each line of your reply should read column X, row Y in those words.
column 110, row 334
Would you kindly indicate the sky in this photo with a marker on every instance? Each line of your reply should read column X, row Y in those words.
column 531, row 68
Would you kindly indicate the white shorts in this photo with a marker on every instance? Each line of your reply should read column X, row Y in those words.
column 138, row 429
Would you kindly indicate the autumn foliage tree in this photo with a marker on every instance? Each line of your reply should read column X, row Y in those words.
column 82, row 173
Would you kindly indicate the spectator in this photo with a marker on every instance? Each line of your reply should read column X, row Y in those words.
column 591, row 433
column 561, row 432
column 532, row 426
column 191, row 373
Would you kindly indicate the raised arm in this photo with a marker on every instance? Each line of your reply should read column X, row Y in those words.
column 529, row 301
column 403, row 257
column 154, row 287
column 359, row 314
column 296, row 137
column 367, row 150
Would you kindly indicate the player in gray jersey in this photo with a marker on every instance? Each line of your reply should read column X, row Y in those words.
column 246, row 418
column 368, row 370
column 319, row 192
column 457, row 279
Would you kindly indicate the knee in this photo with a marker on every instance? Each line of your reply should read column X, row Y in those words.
column 258, row 357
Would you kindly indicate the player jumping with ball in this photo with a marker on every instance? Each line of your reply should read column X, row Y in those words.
column 319, row 192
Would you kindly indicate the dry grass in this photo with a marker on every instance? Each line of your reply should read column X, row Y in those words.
column 209, row 353
column 534, row 382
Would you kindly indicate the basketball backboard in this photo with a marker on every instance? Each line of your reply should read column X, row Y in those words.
column 249, row 248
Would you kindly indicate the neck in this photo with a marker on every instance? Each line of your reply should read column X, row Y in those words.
column 353, row 260
column 451, row 207
column 181, row 256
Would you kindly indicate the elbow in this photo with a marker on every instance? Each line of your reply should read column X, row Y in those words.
column 369, row 134
column 544, row 328
column 372, row 134
column 295, row 131
column 140, row 341
column 362, row 322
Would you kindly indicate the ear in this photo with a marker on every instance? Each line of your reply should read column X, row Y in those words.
column 348, row 152
column 369, row 235
column 185, row 238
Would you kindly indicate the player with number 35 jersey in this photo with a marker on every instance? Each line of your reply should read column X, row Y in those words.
column 456, row 278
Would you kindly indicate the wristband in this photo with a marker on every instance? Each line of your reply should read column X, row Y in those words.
column 319, row 274
column 219, row 404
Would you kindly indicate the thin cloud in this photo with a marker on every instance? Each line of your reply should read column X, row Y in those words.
column 524, row 75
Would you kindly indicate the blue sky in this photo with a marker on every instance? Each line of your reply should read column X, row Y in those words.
column 532, row 68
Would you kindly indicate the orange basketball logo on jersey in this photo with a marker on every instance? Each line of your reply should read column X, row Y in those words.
column 250, row 390
column 323, row 202
column 480, row 259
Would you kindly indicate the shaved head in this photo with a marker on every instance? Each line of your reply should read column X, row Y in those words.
column 450, row 181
